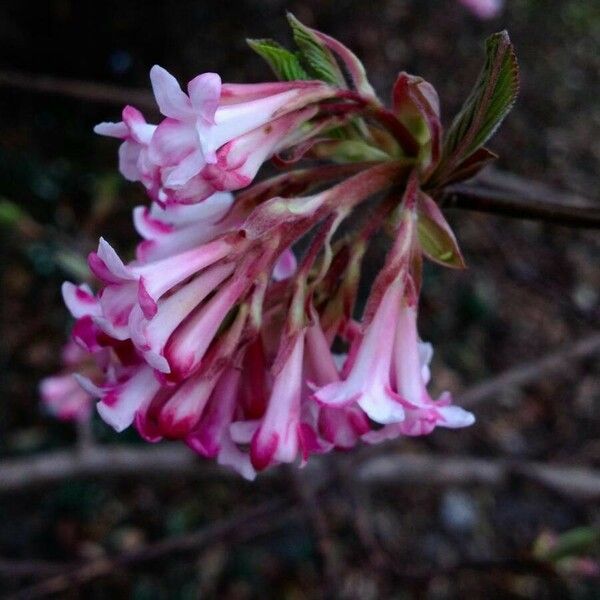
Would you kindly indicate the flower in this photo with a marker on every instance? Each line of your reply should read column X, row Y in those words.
column 411, row 375
column 216, row 334
column 369, row 381
column 389, row 374
column 61, row 394
column 176, row 228
column 134, row 161
column 213, row 138
column 484, row 9
column 212, row 438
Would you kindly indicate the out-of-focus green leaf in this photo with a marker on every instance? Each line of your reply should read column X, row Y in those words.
column 73, row 263
column 575, row 542
column 10, row 213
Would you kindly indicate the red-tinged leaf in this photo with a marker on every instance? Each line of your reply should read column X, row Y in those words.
column 417, row 106
column 437, row 239
column 354, row 66
column 316, row 57
column 490, row 101
column 471, row 166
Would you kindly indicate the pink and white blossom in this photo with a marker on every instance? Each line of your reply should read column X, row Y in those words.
column 61, row 394
column 369, row 381
column 484, row 9
column 215, row 137
column 220, row 332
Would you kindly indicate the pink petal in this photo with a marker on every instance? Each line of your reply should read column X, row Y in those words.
column 455, row 417
column 63, row 397
column 285, row 266
column 236, row 119
column 80, row 300
column 484, row 9
column 205, row 91
column 129, row 154
column 119, row 404
column 116, row 130
column 207, row 437
column 172, row 141
column 186, row 347
column 171, row 100
column 183, row 410
column 277, row 438
column 140, row 131
column 186, row 169
column 159, row 277
column 231, row 456
column 150, row 336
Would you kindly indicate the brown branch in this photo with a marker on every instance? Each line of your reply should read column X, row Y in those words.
column 575, row 482
column 11, row 569
column 532, row 371
column 79, row 90
column 477, row 197
column 236, row 529
column 101, row 461
column 524, row 187
column 18, row 475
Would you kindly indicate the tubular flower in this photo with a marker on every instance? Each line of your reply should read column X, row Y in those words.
column 220, row 333
column 61, row 394
column 213, row 138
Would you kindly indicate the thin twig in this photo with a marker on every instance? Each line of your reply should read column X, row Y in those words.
column 11, row 569
column 524, row 187
column 80, row 90
column 239, row 528
column 85, row 436
column 532, row 371
column 429, row 469
column 472, row 196
column 100, row 461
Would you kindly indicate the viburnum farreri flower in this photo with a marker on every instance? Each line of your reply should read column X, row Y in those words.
column 220, row 332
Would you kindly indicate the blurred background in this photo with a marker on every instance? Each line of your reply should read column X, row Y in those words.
column 530, row 289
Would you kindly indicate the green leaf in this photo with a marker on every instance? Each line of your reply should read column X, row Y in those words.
column 10, row 213
column 285, row 64
column 490, row 101
column 575, row 542
column 318, row 59
column 348, row 151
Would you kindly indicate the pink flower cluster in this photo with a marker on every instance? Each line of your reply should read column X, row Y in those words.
column 215, row 334
column 187, row 363
column 213, row 138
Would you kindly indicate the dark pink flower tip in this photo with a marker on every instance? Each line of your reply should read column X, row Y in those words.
column 262, row 451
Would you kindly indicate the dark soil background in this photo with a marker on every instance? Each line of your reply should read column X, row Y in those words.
column 530, row 288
